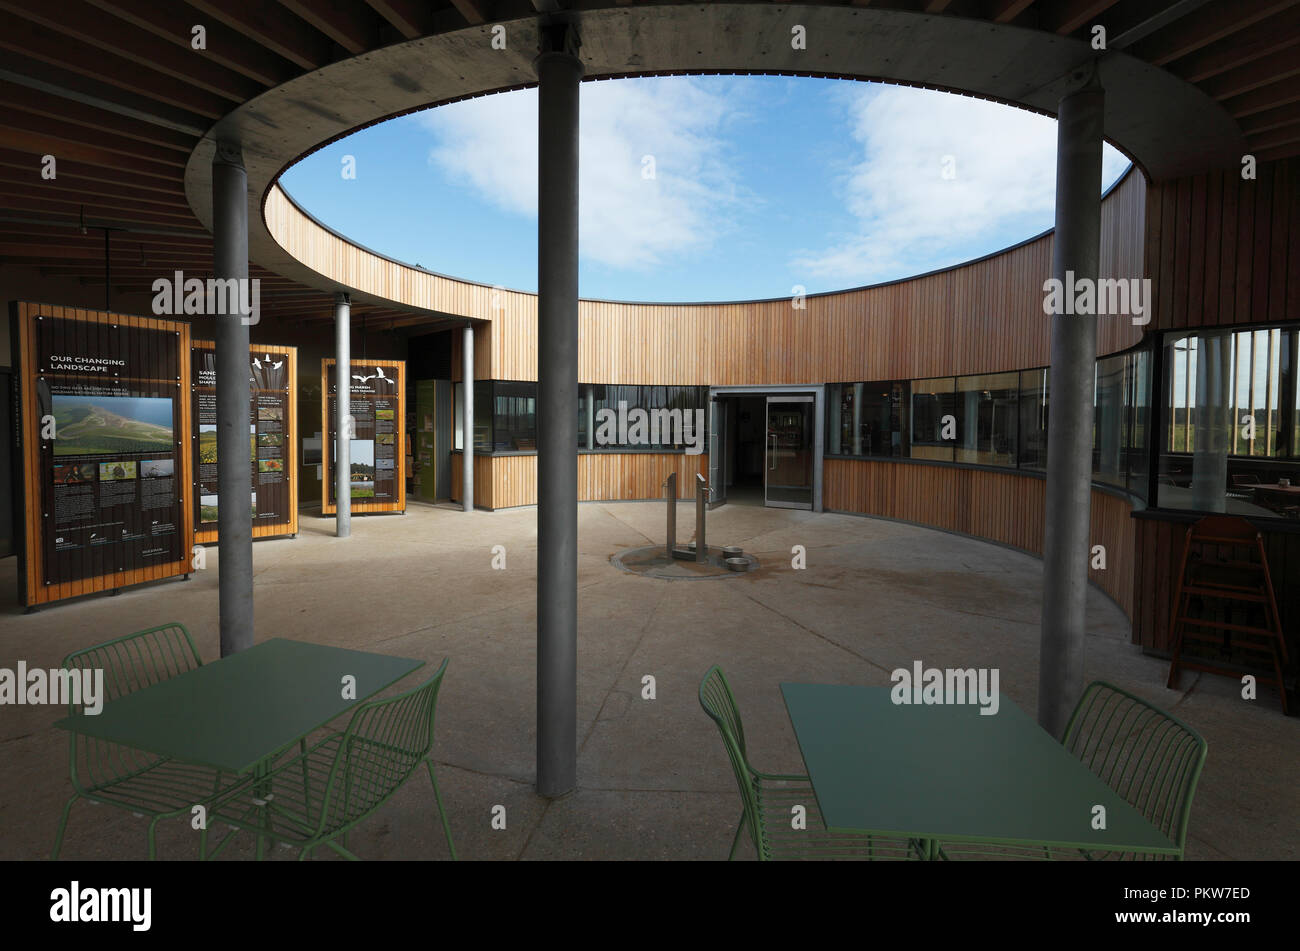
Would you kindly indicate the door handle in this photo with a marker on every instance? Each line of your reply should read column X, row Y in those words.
column 772, row 454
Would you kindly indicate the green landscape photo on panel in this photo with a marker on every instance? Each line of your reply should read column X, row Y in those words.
column 89, row 425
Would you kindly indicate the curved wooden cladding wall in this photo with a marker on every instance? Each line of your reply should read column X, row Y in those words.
column 1003, row 507
column 506, row 481
column 1221, row 250
column 1159, row 555
column 981, row 317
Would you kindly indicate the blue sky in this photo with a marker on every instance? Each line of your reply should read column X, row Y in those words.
column 702, row 188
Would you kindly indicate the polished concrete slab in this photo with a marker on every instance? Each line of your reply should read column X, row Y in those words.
column 654, row 782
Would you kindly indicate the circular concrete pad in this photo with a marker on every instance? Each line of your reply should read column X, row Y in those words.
column 655, row 563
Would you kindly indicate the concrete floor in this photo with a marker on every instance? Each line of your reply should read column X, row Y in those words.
column 654, row 782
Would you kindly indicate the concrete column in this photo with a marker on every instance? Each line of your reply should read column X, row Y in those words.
column 591, row 416
column 1066, row 535
column 467, row 417
column 343, row 415
column 234, row 469
column 558, row 73
column 857, row 418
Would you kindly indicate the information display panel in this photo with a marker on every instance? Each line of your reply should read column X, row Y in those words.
column 378, row 447
column 273, row 439
column 103, row 425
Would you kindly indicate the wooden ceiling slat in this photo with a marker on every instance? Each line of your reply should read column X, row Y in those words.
column 352, row 26
column 87, row 24
column 46, row 104
column 129, row 150
column 174, row 23
column 271, row 27
column 37, row 143
column 1207, row 25
column 72, row 170
column 408, row 18
column 107, row 69
column 1267, row 36
column 1263, row 72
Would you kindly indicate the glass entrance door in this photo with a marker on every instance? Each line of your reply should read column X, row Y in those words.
column 788, row 468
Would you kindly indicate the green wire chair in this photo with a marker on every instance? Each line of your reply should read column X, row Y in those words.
column 316, row 797
column 768, row 798
column 145, row 784
column 1151, row 759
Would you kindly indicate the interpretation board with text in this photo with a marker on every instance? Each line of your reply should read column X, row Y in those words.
column 378, row 446
column 104, row 418
column 272, row 436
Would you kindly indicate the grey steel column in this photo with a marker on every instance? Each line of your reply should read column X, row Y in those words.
column 342, row 415
column 467, row 417
column 1066, row 527
column 558, row 73
column 234, row 470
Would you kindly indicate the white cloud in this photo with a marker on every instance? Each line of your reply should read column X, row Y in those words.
column 910, row 218
column 625, row 219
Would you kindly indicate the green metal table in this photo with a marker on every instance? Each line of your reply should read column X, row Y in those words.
column 945, row 773
column 239, row 714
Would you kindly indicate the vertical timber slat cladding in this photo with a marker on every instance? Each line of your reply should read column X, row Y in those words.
column 112, row 538
column 985, row 316
column 508, row 481
column 1002, row 507
column 1224, row 250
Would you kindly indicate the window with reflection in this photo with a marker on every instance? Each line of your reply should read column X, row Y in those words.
column 1231, row 420
column 932, row 401
column 986, row 434
column 1032, row 442
column 867, row 419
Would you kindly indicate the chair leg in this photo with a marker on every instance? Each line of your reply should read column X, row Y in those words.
column 153, row 838
column 442, row 813
column 736, row 839
column 63, row 825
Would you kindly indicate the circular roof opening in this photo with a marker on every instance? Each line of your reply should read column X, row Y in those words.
column 702, row 188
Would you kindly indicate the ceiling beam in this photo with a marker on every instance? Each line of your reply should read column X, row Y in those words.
column 75, row 135
column 352, row 26
column 408, row 18
column 71, row 170
column 1278, row 32
column 63, row 52
column 1272, row 119
column 1004, row 11
column 37, row 143
column 1069, row 15
column 174, row 23
column 102, row 31
column 1263, row 99
column 1205, row 26
column 35, row 75
column 271, row 27
column 473, row 12
column 1138, row 19
column 42, row 103
column 1262, row 72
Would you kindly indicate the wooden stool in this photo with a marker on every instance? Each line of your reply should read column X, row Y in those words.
column 1218, row 566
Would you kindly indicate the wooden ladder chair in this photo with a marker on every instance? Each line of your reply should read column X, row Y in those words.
column 1218, row 567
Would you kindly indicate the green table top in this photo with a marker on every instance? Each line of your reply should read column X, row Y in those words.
column 242, row 709
column 946, row 772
